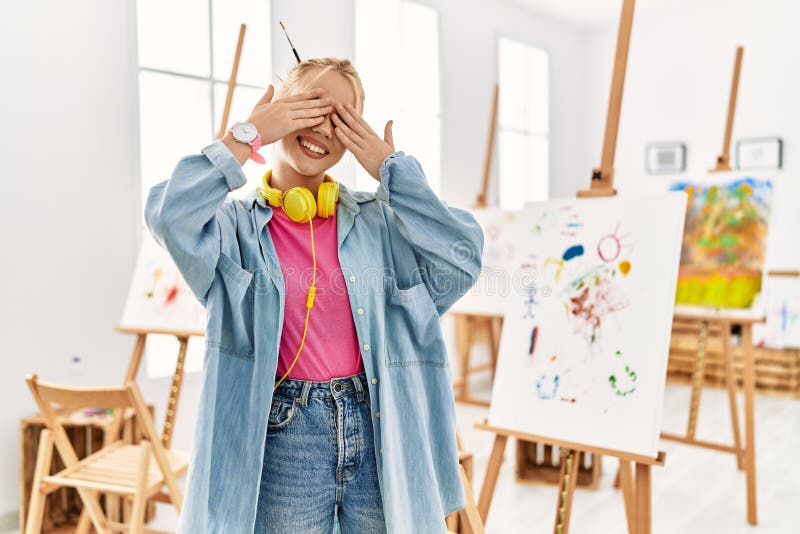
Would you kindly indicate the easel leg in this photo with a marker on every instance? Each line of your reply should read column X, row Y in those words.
column 642, row 488
column 490, row 480
column 566, row 490
column 730, row 382
column 697, row 380
column 470, row 517
column 495, row 331
column 136, row 358
column 463, row 337
column 626, row 485
column 749, row 380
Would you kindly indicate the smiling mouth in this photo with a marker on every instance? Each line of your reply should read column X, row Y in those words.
column 311, row 148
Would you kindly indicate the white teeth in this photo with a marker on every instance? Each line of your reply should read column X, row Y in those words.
column 313, row 148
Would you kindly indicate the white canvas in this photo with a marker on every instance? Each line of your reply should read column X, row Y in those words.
column 158, row 298
column 490, row 293
column 595, row 280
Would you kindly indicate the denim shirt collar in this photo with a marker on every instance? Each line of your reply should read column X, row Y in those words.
column 347, row 208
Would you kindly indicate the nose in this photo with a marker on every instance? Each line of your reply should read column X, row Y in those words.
column 325, row 128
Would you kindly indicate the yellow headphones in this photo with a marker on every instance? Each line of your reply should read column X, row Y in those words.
column 298, row 202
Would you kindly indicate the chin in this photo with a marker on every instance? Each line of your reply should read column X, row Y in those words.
column 309, row 168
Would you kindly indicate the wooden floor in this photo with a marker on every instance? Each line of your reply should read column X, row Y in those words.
column 698, row 491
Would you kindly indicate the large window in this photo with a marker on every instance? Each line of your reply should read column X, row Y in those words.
column 523, row 124
column 186, row 50
column 397, row 56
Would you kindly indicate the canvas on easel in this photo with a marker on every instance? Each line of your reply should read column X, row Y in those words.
column 158, row 296
column 488, row 295
column 583, row 354
column 724, row 244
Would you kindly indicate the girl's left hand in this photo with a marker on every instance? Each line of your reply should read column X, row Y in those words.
column 356, row 135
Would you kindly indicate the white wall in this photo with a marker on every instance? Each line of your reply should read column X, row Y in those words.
column 70, row 225
column 677, row 86
column 469, row 33
column 469, row 30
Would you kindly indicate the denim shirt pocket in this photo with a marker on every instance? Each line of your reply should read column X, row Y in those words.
column 236, row 335
column 237, row 279
column 413, row 336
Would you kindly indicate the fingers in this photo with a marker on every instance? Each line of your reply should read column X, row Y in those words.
column 308, row 123
column 267, row 98
column 313, row 103
column 359, row 118
column 387, row 134
column 347, row 114
column 311, row 112
column 346, row 135
column 308, row 95
column 348, row 143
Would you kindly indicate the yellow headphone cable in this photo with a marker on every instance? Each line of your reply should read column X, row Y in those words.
column 312, row 290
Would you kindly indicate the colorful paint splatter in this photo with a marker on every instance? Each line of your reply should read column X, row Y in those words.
column 586, row 331
column 724, row 242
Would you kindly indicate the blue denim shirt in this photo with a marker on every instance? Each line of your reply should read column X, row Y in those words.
column 406, row 258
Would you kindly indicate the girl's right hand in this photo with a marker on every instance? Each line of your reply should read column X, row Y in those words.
column 274, row 120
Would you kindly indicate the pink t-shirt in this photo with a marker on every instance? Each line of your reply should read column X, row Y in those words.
column 331, row 347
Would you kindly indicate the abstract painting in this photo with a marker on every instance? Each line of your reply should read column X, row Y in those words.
column 585, row 339
column 724, row 242
column 158, row 297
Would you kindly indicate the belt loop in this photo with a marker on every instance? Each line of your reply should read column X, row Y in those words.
column 359, row 387
column 304, row 394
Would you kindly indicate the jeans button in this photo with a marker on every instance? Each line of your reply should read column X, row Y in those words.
column 337, row 387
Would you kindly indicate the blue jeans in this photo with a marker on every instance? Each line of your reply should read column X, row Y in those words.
column 320, row 460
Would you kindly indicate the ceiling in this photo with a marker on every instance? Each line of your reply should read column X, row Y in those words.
column 588, row 13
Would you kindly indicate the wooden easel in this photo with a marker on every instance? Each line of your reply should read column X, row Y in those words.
column 177, row 377
column 472, row 327
column 724, row 159
column 636, row 489
column 745, row 453
column 722, row 321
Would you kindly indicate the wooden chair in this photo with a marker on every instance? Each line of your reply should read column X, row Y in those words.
column 137, row 472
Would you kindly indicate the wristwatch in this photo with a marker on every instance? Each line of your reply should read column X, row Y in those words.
column 245, row 132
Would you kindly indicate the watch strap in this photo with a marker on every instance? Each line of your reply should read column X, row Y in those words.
column 255, row 145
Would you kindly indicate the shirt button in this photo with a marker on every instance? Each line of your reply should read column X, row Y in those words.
column 366, row 346
column 374, row 380
column 360, row 311
column 352, row 278
column 377, row 415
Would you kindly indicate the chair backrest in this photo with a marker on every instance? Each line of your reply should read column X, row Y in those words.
column 47, row 394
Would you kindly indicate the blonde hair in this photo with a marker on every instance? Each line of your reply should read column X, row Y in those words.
column 324, row 65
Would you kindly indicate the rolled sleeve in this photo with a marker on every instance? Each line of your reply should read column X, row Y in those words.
column 224, row 160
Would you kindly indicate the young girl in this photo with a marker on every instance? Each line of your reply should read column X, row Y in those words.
column 326, row 386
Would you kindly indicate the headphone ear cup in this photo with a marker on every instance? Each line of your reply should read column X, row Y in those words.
column 327, row 195
column 299, row 204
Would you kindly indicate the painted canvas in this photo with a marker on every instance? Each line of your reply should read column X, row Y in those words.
column 585, row 341
column 490, row 293
column 158, row 297
column 781, row 305
column 724, row 242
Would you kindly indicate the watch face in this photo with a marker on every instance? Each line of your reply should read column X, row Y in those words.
column 244, row 132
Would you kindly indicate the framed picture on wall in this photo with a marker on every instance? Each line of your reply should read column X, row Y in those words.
column 759, row 153
column 665, row 158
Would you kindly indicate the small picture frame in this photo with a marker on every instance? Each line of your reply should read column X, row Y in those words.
column 759, row 153
column 665, row 158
